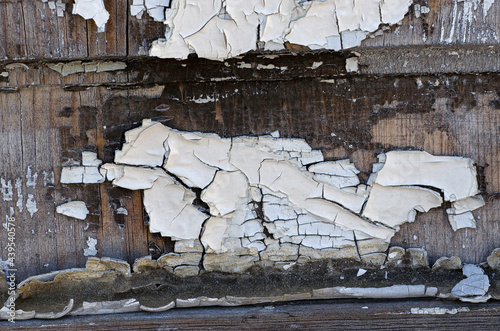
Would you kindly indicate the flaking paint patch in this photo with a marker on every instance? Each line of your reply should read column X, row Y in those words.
column 92, row 9
column 31, row 205
column 74, row 67
column 31, row 178
column 222, row 29
column 91, row 247
column 6, row 189
column 75, row 209
column 438, row 311
column 464, row 14
column 155, row 8
column 19, row 186
column 56, row 5
column 277, row 199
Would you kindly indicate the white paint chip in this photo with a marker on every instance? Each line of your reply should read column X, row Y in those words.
column 144, row 145
column 31, row 205
column 75, row 209
column 92, row 9
column 171, row 212
column 475, row 286
column 87, row 174
column 351, row 64
column 361, row 272
column 394, row 206
column 91, row 247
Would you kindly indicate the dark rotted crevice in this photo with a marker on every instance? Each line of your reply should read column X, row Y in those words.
column 197, row 202
column 157, row 287
column 481, row 177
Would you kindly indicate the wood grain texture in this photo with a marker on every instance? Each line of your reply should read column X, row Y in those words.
column 325, row 315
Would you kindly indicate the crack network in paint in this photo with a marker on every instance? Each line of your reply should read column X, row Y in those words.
column 308, row 208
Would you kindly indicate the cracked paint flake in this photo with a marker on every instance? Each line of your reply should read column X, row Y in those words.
column 7, row 191
column 474, row 287
column 31, row 205
column 222, row 29
column 88, row 173
column 276, row 198
column 155, row 8
column 58, row 5
column 75, row 209
column 92, row 9
column 422, row 170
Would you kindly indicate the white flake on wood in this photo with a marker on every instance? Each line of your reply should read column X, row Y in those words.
column 92, row 9
column 394, row 206
column 91, row 247
column 31, row 205
column 143, row 145
column 75, row 209
column 171, row 211
column 454, row 176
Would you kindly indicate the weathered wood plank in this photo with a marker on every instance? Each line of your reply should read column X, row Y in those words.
column 15, row 38
column 325, row 315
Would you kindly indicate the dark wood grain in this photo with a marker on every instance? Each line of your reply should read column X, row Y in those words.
column 30, row 30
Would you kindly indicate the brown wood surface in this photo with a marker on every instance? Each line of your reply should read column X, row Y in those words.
column 323, row 315
column 430, row 84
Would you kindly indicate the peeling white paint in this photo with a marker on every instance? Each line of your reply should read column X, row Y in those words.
column 420, row 169
column 316, row 65
column 92, row 9
column 221, row 29
column 31, row 178
column 351, row 64
column 170, row 209
column 6, row 189
column 474, row 287
column 91, row 247
column 361, row 272
column 48, row 178
column 266, row 204
column 19, row 186
column 31, row 205
column 438, row 311
column 394, row 206
column 56, row 5
column 75, row 209
column 155, row 8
